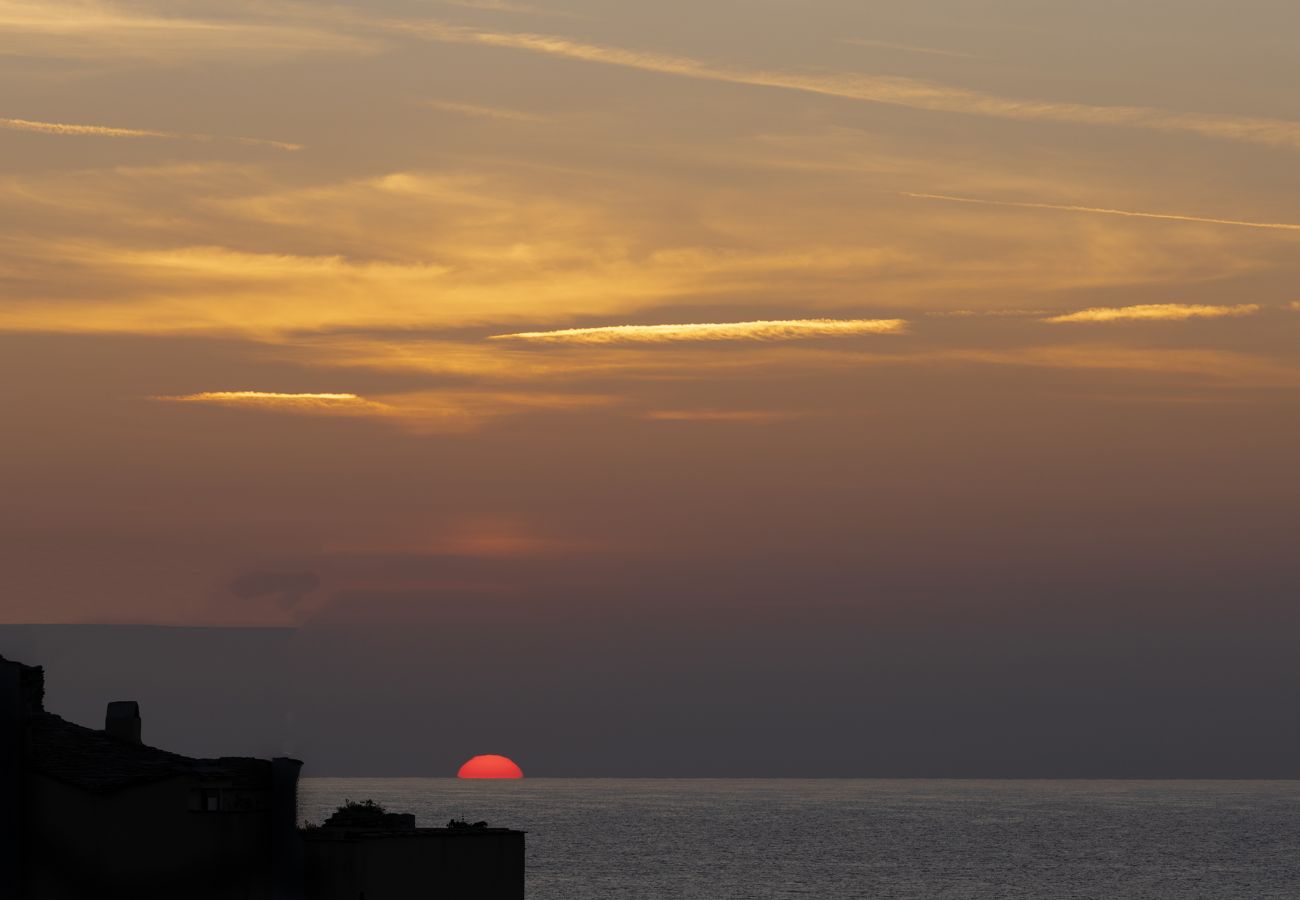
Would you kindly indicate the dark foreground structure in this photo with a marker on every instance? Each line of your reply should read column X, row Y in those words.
column 99, row 814
column 344, row 864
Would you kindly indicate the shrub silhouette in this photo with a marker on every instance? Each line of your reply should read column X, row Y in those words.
column 366, row 814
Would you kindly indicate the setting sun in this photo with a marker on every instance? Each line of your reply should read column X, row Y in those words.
column 490, row 766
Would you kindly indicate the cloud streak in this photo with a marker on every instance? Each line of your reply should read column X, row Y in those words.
column 520, row 8
column 417, row 411
column 483, row 112
column 90, row 29
column 892, row 90
column 743, row 416
column 1101, row 210
column 66, row 128
column 909, row 48
column 763, row 330
column 308, row 402
column 1155, row 312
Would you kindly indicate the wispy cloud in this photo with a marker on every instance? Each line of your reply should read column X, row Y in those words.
column 772, row 330
column 1156, row 312
column 909, row 48
column 893, row 90
column 113, row 132
column 740, row 416
column 64, row 128
column 223, row 248
column 984, row 313
column 520, row 8
column 90, row 29
column 1101, row 210
column 483, row 112
column 308, row 402
column 418, row 411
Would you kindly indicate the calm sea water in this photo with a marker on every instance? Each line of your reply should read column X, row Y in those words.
column 590, row 839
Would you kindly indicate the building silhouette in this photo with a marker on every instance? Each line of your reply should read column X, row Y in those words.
column 86, row 813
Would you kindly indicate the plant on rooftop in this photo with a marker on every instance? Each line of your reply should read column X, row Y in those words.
column 357, row 815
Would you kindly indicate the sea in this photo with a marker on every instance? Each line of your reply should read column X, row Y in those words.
column 595, row 839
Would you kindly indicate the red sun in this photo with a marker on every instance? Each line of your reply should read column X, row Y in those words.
column 490, row 766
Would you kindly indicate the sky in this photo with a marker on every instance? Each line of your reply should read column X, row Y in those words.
column 721, row 385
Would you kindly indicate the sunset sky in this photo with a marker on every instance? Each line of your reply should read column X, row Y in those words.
column 704, row 339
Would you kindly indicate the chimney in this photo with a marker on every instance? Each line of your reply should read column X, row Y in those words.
column 287, row 862
column 123, row 721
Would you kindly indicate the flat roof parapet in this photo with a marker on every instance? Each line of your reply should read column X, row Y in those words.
column 344, row 833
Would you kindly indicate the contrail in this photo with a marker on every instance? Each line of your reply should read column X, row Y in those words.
column 1103, row 211
column 109, row 131
column 264, row 397
column 711, row 331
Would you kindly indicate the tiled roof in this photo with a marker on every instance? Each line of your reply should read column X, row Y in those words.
column 94, row 761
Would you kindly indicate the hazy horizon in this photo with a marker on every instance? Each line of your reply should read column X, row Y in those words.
column 303, row 693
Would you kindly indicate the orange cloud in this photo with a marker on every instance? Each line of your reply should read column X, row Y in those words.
column 272, row 399
column 768, row 330
column 1159, row 312
column 418, row 411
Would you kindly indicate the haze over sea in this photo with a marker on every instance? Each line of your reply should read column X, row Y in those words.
column 831, row 838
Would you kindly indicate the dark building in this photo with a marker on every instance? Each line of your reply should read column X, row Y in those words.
column 400, row 861
column 99, row 814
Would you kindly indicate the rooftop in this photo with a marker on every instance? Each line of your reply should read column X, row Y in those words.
column 95, row 761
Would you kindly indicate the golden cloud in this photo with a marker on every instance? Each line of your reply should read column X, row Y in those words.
column 772, row 330
column 419, row 411
column 1157, row 312
column 304, row 403
column 225, row 249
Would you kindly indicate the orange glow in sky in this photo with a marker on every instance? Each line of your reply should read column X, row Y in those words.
column 588, row 296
